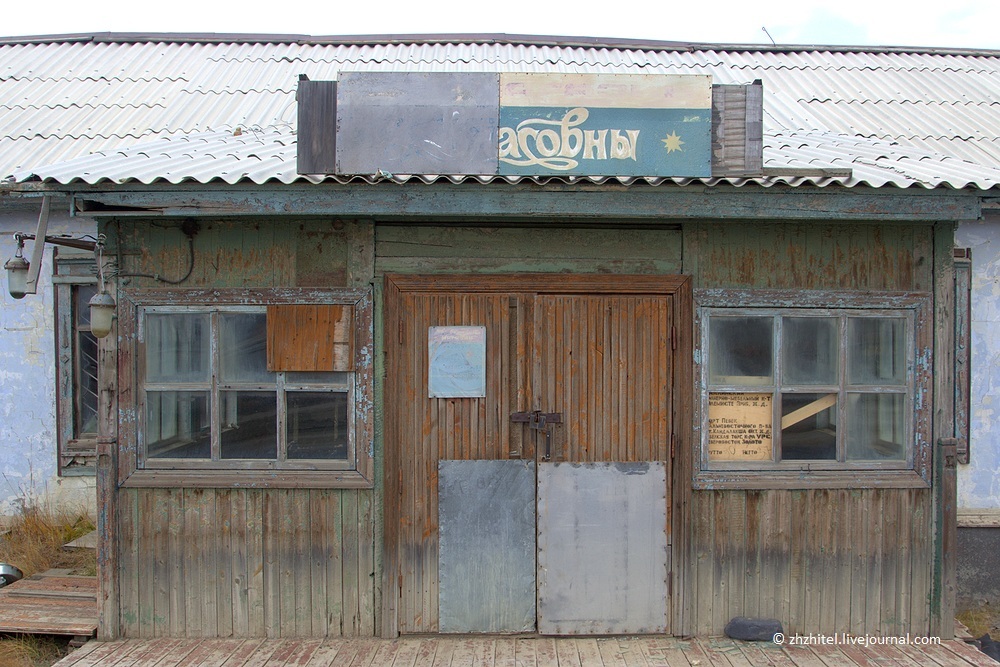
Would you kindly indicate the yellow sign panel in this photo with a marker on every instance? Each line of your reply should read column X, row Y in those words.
column 739, row 427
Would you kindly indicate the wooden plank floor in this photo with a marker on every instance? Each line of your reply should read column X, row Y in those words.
column 512, row 652
column 51, row 603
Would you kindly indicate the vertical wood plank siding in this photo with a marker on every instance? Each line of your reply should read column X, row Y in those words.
column 820, row 560
column 289, row 562
column 245, row 562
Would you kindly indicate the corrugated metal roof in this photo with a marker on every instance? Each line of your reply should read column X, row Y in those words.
column 265, row 155
column 920, row 117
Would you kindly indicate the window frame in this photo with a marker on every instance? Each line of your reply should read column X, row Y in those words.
column 138, row 469
column 913, row 472
column 77, row 453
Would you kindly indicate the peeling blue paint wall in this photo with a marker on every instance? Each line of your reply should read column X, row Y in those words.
column 28, row 445
column 979, row 481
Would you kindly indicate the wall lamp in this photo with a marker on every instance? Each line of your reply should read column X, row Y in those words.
column 22, row 275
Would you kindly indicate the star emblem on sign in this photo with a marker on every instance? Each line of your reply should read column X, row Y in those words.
column 672, row 142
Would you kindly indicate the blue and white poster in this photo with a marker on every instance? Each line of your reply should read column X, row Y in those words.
column 456, row 362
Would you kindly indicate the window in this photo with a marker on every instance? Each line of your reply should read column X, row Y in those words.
column 828, row 391
column 76, row 362
column 279, row 388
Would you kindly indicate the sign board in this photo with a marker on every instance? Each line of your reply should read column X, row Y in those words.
column 739, row 426
column 523, row 124
column 605, row 124
column 416, row 123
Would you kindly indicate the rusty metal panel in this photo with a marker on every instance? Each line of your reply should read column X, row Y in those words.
column 602, row 548
column 417, row 123
column 487, row 546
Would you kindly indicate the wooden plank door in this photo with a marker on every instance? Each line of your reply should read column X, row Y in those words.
column 603, row 363
column 582, row 347
column 426, row 430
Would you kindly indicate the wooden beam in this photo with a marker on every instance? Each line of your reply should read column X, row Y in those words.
column 943, row 584
column 392, row 201
column 807, row 411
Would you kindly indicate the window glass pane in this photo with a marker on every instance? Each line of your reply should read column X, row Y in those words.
column 86, row 384
column 177, row 347
column 249, row 425
column 877, row 351
column 740, row 351
column 317, row 426
column 809, row 351
column 809, row 426
column 83, row 295
column 243, row 348
column 875, row 427
column 177, row 425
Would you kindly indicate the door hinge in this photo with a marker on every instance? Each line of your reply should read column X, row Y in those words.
column 673, row 337
column 673, row 446
column 400, row 332
column 670, row 584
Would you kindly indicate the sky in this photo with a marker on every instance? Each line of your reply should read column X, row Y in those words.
column 949, row 23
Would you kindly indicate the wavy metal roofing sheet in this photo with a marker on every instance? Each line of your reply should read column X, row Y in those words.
column 62, row 99
column 269, row 155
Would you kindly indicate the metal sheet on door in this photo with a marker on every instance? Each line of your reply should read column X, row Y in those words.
column 486, row 514
column 602, row 548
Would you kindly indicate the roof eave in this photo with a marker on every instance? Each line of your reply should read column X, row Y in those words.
column 477, row 38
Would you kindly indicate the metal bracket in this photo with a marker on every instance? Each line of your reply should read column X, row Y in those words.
column 539, row 421
column 949, row 451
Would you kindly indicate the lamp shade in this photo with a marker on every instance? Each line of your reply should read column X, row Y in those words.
column 17, row 276
column 102, row 313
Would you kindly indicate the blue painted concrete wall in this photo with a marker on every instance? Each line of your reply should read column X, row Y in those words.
column 28, row 446
column 979, row 481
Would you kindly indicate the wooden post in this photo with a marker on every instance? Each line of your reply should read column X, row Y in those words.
column 943, row 585
column 108, row 604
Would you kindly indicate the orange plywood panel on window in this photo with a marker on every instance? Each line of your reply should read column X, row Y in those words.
column 310, row 338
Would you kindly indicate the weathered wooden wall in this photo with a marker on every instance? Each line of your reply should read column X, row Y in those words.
column 469, row 249
column 821, row 561
column 848, row 256
column 291, row 562
column 246, row 562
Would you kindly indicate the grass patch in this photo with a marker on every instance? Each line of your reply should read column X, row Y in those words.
column 34, row 543
column 31, row 650
column 980, row 620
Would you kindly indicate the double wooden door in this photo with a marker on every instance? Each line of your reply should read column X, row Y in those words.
column 528, row 465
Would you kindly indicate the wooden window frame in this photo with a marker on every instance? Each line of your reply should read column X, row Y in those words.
column 135, row 469
column 77, row 453
column 914, row 472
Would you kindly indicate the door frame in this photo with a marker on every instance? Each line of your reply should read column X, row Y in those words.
column 678, row 287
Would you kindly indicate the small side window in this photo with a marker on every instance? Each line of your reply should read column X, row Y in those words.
column 76, row 362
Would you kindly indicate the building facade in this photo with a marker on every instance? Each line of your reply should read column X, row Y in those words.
column 373, row 400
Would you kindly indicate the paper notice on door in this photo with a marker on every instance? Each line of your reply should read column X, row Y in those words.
column 739, row 426
column 456, row 359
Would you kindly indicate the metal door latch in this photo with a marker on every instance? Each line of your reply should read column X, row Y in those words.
column 539, row 421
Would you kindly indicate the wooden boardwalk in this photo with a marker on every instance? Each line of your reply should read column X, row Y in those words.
column 512, row 652
column 51, row 603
